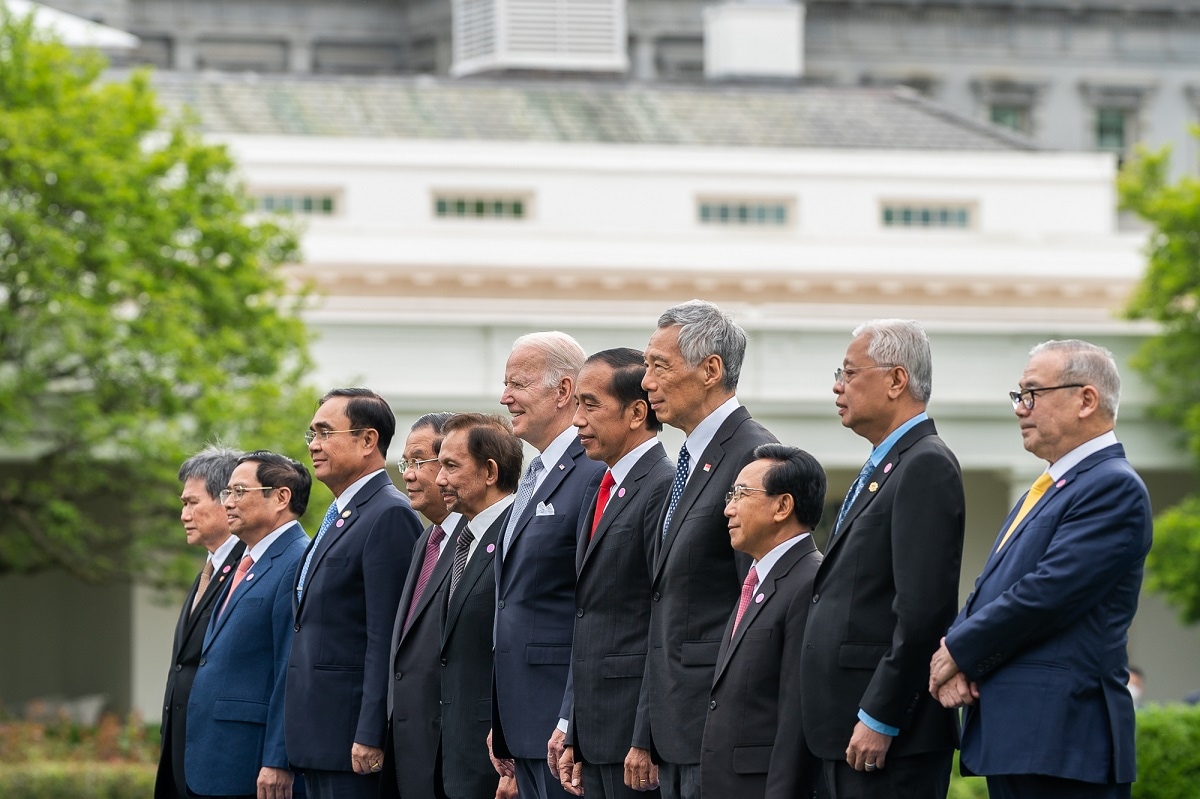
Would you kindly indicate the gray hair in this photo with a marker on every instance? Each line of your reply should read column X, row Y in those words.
column 562, row 354
column 214, row 465
column 1090, row 365
column 707, row 330
column 902, row 342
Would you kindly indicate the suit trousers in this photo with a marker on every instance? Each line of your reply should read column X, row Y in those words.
column 679, row 780
column 923, row 776
column 607, row 781
column 534, row 780
column 341, row 784
column 1038, row 786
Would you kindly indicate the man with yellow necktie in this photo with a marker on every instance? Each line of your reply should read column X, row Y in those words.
column 1037, row 654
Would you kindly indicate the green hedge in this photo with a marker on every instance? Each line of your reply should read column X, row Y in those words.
column 77, row 780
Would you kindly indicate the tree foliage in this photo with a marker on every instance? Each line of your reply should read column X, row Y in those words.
column 141, row 314
column 1169, row 294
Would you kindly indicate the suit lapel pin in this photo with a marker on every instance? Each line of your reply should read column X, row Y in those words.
column 491, row 548
column 758, row 599
column 346, row 513
column 226, row 569
column 1060, row 483
column 887, row 468
column 621, row 491
column 249, row 577
column 708, row 467
column 561, row 467
column 873, row 487
column 221, row 579
column 340, row 522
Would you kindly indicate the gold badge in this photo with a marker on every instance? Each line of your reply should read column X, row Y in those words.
column 346, row 514
column 873, row 487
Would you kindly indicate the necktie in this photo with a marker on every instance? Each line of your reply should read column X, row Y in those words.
column 205, row 578
column 431, row 557
column 852, row 494
column 681, row 478
column 326, row 523
column 524, row 494
column 238, row 576
column 461, row 549
column 748, row 586
column 1035, row 493
column 606, row 487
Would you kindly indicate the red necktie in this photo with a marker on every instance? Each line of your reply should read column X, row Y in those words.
column 238, row 576
column 432, row 550
column 747, row 592
column 606, row 487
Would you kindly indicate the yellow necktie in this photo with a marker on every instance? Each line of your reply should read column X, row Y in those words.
column 1035, row 493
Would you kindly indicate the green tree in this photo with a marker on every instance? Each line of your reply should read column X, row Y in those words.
column 141, row 315
column 1169, row 294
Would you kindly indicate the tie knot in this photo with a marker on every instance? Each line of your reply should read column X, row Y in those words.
column 208, row 569
column 684, row 456
column 535, row 466
column 245, row 565
column 608, row 481
column 751, row 579
column 1042, row 483
column 437, row 534
column 466, row 535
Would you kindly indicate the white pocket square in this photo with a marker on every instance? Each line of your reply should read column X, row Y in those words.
column 544, row 509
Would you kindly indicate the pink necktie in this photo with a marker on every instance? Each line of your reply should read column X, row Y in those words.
column 747, row 592
column 606, row 487
column 432, row 551
column 238, row 576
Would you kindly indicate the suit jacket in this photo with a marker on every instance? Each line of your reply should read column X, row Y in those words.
column 535, row 610
column 414, row 693
column 884, row 595
column 235, row 712
column 612, row 622
column 185, row 655
column 338, row 676
column 1044, row 631
column 695, row 586
column 753, row 736
column 466, row 660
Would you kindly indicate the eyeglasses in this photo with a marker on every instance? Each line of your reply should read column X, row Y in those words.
column 240, row 491
column 413, row 463
column 843, row 375
column 740, row 491
column 312, row 435
column 1027, row 396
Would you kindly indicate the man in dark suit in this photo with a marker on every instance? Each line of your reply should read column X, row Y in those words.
column 414, row 711
column 888, row 586
column 614, row 559
column 347, row 592
column 535, row 562
column 235, row 713
column 753, row 737
column 1037, row 654
column 693, row 362
column 204, row 476
column 480, row 463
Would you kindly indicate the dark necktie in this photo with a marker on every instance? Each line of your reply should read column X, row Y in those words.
column 606, row 487
column 461, row 549
column 681, row 478
column 431, row 558
column 852, row 495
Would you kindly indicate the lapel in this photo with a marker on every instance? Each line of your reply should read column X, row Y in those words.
column 481, row 560
column 554, row 477
column 441, row 571
column 699, row 480
column 884, row 470
column 801, row 549
column 622, row 496
column 256, row 573
column 221, row 574
column 346, row 519
column 1056, row 488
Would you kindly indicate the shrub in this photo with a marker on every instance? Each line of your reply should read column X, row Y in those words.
column 1168, row 751
column 60, row 780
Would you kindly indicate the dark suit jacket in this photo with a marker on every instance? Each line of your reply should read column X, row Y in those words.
column 608, row 657
column 695, row 587
column 535, row 610
column 1044, row 631
column 414, row 692
column 883, row 597
column 466, row 660
column 753, row 737
column 235, row 712
column 338, row 676
column 185, row 654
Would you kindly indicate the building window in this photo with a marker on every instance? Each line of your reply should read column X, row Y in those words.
column 772, row 213
column 1009, row 104
column 474, row 207
column 926, row 216
column 1111, row 132
column 309, row 204
column 1013, row 117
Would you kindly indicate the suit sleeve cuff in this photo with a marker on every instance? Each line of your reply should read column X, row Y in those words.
column 877, row 726
column 562, row 725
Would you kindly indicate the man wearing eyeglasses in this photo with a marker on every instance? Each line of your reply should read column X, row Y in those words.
column 1038, row 653
column 753, row 736
column 235, row 739
column 346, row 593
column 888, row 586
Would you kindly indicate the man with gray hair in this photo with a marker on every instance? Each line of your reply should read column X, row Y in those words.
column 888, row 586
column 204, row 477
column 693, row 361
column 1040, row 643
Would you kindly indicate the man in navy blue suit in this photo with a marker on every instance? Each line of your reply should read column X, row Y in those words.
column 535, row 560
column 235, row 710
column 1037, row 655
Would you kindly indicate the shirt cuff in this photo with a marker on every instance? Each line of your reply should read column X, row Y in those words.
column 877, row 726
column 562, row 725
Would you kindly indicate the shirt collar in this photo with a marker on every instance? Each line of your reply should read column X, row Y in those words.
column 885, row 446
column 557, row 448
column 1073, row 458
column 219, row 555
column 622, row 467
column 344, row 498
column 487, row 517
column 702, row 436
column 258, row 550
column 763, row 567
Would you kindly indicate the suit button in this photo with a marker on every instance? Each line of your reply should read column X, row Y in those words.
column 201, row 661
column 657, row 596
column 712, row 705
column 178, row 667
column 399, row 675
column 815, row 598
column 579, row 613
column 296, row 629
column 500, row 604
column 444, row 661
column 166, row 707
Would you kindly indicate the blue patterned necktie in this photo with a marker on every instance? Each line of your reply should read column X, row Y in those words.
column 681, row 478
column 852, row 494
column 524, row 494
column 330, row 516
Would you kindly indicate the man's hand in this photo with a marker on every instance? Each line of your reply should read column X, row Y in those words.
column 640, row 773
column 868, row 749
column 570, row 773
column 275, row 783
column 503, row 767
column 958, row 692
column 941, row 668
column 507, row 789
column 365, row 759
column 554, row 749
